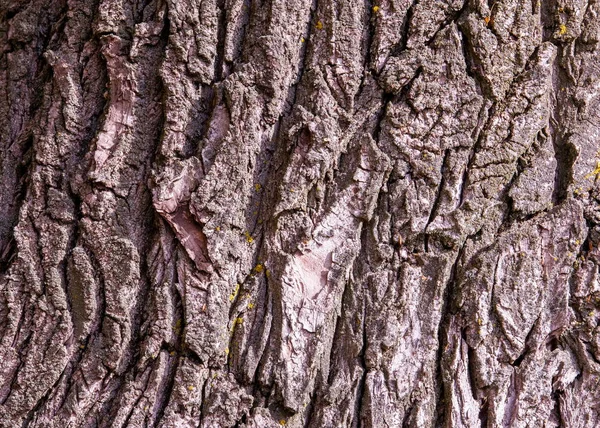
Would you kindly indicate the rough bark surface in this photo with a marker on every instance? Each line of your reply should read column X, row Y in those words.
column 258, row 213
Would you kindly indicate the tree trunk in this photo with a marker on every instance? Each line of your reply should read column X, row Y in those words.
column 260, row 213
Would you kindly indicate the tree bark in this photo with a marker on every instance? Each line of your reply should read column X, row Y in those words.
column 315, row 213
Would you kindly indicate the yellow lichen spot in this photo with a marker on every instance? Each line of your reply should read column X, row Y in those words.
column 259, row 268
column 82, row 346
column 233, row 295
column 268, row 273
column 249, row 238
column 282, row 422
column 177, row 327
column 191, row 387
column 479, row 321
column 236, row 321
column 595, row 173
column 226, row 351
column 319, row 25
column 487, row 20
column 302, row 40
column 172, row 353
column 375, row 9
column 218, row 228
column 562, row 29
column 250, row 305
column 257, row 187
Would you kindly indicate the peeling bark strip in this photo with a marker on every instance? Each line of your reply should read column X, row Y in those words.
column 305, row 213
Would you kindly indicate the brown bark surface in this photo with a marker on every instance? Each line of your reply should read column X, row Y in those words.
column 257, row 213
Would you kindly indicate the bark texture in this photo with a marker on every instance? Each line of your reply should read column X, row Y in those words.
column 258, row 213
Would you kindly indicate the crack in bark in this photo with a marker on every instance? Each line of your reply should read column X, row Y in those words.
column 168, row 381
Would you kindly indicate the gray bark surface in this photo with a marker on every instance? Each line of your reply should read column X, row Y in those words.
column 220, row 213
